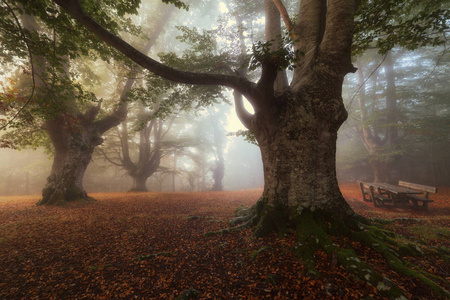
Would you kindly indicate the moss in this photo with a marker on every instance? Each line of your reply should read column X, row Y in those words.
column 377, row 238
column 52, row 195
column 255, row 253
column 428, row 233
column 221, row 231
column 269, row 219
column 398, row 265
column 312, row 236
column 188, row 294
column 314, row 228
column 410, row 250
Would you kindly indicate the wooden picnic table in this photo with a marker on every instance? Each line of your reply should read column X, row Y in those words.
column 398, row 194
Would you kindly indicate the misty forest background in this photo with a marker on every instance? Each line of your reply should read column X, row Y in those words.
column 398, row 125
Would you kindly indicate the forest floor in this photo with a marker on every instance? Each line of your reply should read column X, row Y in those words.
column 153, row 246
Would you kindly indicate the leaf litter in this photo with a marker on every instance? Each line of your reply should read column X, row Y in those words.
column 155, row 246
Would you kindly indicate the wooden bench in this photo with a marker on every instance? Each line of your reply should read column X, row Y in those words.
column 365, row 191
column 369, row 194
column 378, row 199
column 416, row 199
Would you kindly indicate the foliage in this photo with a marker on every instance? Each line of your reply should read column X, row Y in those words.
column 177, row 3
column 169, row 97
column 407, row 23
column 283, row 58
column 246, row 134
column 44, row 48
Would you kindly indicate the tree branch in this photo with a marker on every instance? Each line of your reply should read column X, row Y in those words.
column 243, row 85
column 120, row 112
column 33, row 72
column 337, row 40
column 311, row 25
column 284, row 14
column 105, row 156
column 273, row 34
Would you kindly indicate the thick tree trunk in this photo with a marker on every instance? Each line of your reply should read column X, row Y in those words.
column 382, row 171
column 139, row 183
column 298, row 148
column 73, row 152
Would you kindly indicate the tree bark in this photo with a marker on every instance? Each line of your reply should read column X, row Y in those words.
column 73, row 152
column 218, row 173
column 139, row 184
column 298, row 147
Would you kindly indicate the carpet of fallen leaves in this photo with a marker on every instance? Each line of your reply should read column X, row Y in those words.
column 153, row 246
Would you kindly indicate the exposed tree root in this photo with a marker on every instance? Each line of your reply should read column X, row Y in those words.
column 314, row 231
column 61, row 196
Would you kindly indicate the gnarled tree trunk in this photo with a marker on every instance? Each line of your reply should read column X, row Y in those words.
column 298, row 148
column 139, row 184
column 73, row 152
column 74, row 143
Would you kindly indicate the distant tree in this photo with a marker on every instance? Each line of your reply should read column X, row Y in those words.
column 41, row 39
column 219, row 168
column 149, row 152
column 389, row 110
column 381, row 142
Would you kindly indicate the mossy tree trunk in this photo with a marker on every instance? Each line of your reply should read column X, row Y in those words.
column 298, row 148
column 73, row 152
column 74, row 138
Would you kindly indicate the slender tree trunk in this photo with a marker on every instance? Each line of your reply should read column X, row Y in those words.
column 218, row 173
column 219, row 170
column 27, row 183
column 374, row 144
column 174, row 171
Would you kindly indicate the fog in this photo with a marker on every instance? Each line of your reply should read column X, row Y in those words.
column 398, row 125
column 24, row 172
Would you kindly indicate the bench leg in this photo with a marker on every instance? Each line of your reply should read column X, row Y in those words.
column 376, row 202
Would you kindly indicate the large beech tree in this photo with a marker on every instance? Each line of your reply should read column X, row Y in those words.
column 72, row 118
column 295, row 125
column 57, row 104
